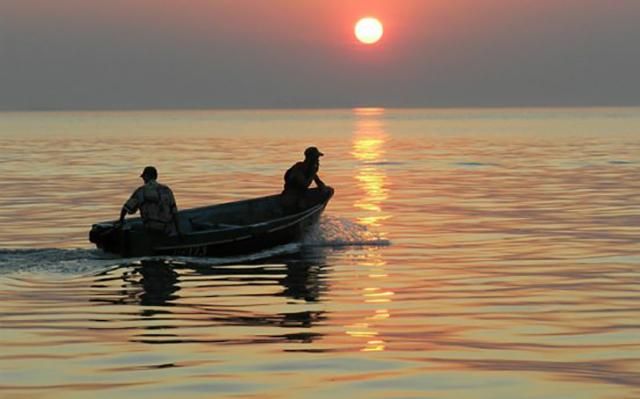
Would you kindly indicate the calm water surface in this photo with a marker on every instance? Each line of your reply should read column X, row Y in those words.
column 466, row 254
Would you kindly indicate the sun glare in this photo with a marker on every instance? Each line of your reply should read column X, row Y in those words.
column 368, row 30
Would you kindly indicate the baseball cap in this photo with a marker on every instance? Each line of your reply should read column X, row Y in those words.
column 312, row 151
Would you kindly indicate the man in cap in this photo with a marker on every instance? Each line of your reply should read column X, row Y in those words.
column 156, row 203
column 299, row 177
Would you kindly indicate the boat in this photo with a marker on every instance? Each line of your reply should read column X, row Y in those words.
column 228, row 229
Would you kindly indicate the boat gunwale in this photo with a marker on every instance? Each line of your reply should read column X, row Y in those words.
column 201, row 208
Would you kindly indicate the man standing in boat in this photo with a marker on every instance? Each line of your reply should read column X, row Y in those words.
column 156, row 203
column 296, row 194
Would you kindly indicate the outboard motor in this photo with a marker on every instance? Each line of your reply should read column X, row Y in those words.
column 107, row 236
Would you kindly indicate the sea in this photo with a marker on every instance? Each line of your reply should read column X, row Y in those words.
column 467, row 253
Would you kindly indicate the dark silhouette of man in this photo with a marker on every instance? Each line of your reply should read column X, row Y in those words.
column 296, row 194
column 156, row 203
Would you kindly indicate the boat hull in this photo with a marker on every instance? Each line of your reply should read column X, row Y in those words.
column 258, row 224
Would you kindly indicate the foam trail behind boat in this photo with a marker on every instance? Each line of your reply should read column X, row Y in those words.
column 54, row 261
column 57, row 261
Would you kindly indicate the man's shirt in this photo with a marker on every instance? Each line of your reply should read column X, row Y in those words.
column 156, row 203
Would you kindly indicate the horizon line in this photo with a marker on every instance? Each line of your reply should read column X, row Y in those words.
column 240, row 109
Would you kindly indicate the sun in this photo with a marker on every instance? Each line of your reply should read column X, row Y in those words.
column 368, row 30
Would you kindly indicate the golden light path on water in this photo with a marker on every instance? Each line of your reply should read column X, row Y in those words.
column 466, row 253
column 369, row 140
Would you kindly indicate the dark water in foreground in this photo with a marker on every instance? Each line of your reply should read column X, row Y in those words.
column 466, row 254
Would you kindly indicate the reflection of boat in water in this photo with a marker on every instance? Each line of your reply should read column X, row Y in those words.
column 220, row 230
column 181, row 298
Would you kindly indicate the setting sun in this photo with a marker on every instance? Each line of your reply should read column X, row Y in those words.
column 368, row 30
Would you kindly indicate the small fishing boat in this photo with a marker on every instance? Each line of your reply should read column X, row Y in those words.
column 219, row 230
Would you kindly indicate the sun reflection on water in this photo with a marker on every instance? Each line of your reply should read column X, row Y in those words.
column 373, row 292
column 368, row 147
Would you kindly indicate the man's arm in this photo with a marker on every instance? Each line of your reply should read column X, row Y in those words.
column 319, row 182
column 314, row 170
column 131, row 206
column 174, row 212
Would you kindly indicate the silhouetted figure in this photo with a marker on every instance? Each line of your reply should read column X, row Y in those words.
column 296, row 194
column 156, row 203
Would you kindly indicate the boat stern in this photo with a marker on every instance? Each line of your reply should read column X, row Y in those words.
column 107, row 236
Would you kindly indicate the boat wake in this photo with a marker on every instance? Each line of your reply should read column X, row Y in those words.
column 92, row 261
column 54, row 260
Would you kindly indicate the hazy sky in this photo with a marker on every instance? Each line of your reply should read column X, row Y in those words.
column 121, row 54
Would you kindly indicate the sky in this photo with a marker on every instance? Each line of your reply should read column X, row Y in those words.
column 149, row 54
